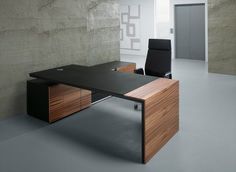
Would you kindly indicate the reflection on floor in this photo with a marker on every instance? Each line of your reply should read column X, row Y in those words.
column 106, row 137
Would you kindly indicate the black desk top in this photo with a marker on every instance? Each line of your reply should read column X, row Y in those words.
column 110, row 65
column 98, row 78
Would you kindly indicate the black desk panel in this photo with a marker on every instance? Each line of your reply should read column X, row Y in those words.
column 98, row 78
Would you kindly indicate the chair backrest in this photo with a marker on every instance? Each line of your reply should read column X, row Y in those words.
column 158, row 60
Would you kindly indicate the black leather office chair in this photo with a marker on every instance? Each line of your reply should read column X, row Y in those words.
column 158, row 62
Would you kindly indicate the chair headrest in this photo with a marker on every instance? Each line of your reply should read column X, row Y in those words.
column 160, row 44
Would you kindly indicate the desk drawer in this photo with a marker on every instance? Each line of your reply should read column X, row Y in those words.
column 51, row 102
column 85, row 102
column 63, row 101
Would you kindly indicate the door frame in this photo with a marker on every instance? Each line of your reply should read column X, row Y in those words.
column 175, row 3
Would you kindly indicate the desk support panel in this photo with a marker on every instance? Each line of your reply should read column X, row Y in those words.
column 160, row 114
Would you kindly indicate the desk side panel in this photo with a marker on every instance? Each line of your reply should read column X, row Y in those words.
column 152, row 88
column 161, row 119
column 160, row 113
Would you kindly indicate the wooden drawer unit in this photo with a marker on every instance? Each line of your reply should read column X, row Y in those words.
column 128, row 68
column 86, row 98
column 51, row 102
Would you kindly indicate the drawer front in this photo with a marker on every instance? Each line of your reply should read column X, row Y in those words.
column 85, row 92
column 65, row 100
column 59, row 90
column 71, row 103
column 86, row 99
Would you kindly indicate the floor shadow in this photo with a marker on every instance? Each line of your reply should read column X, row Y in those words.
column 18, row 125
column 105, row 131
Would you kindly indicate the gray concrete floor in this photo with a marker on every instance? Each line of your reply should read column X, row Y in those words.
column 106, row 137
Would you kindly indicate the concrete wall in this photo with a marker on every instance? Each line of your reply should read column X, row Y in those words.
column 222, row 36
column 41, row 34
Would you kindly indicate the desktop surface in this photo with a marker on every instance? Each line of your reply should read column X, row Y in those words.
column 98, row 78
column 110, row 65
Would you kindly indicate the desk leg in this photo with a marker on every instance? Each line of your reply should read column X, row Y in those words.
column 160, row 121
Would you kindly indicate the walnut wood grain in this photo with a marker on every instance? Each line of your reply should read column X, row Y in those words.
column 65, row 100
column 128, row 68
column 161, row 113
column 86, row 99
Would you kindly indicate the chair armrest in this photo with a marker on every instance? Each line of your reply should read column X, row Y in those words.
column 139, row 71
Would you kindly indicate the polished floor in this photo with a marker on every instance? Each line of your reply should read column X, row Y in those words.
column 106, row 137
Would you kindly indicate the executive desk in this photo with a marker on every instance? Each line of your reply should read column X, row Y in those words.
column 159, row 97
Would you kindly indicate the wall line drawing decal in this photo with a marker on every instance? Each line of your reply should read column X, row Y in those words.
column 130, row 16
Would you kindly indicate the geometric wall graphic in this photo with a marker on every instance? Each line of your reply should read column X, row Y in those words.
column 130, row 16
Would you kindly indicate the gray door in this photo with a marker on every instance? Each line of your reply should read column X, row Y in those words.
column 190, row 31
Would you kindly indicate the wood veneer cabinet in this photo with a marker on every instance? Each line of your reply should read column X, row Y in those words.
column 127, row 68
column 51, row 102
